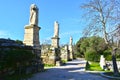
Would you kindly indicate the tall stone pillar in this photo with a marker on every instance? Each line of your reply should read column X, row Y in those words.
column 55, row 38
column 31, row 35
column 71, row 49
column 55, row 45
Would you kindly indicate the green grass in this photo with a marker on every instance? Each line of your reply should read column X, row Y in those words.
column 118, row 59
column 49, row 65
column 94, row 66
column 64, row 61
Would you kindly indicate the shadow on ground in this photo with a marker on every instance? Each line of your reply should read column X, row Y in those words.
column 73, row 70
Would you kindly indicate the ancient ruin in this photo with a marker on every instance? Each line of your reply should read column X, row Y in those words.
column 55, row 38
column 31, row 36
column 71, row 55
column 65, row 53
column 52, row 55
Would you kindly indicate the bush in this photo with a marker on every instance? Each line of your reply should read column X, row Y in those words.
column 94, row 66
column 64, row 61
column 107, row 55
column 92, row 55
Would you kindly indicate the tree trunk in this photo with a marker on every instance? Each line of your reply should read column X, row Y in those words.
column 115, row 68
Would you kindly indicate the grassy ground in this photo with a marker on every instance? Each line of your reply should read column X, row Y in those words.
column 93, row 66
column 47, row 66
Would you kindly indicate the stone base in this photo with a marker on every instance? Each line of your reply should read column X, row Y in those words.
column 51, row 56
column 55, row 42
column 31, row 36
column 58, row 63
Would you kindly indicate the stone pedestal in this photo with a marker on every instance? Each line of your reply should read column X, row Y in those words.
column 31, row 36
column 65, row 53
column 70, row 52
column 71, row 49
column 51, row 56
column 55, row 42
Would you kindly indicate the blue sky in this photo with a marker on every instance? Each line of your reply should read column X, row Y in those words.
column 14, row 15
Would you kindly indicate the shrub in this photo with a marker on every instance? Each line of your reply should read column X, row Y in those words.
column 107, row 55
column 92, row 55
column 94, row 66
column 64, row 61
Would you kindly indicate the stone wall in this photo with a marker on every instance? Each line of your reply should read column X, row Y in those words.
column 50, row 55
column 65, row 53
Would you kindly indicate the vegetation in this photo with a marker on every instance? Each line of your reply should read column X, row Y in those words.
column 19, row 42
column 103, row 19
column 64, row 61
column 91, row 48
column 93, row 66
column 49, row 65
column 14, row 62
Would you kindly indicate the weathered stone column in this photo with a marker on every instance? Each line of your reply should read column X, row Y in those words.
column 55, row 38
column 71, row 49
column 55, row 45
column 65, row 53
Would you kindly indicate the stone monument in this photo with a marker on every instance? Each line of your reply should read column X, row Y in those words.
column 71, row 49
column 55, row 38
column 33, row 15
column 55, row 45
column 31, row 35
column 102, row 62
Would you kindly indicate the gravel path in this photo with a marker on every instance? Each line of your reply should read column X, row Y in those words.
column 73, row 70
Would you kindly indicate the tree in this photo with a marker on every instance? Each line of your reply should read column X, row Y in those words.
column 103, row 16
column 77, row 50
column 91, row 45
column 19, row 41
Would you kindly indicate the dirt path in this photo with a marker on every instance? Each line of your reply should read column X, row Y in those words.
column 73, row 70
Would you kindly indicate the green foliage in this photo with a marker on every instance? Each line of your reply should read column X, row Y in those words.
column 92, row 55
column 79, row 52
column 107, row 55
column 118, row 54
column 90, row 47
column 19, row 41
column 93, row 66
column 18, row 57
column 49, row 65
column 64, row 61
column 16, row 60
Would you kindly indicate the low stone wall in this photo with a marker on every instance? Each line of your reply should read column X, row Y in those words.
column 110, row 63
column 50, row 56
